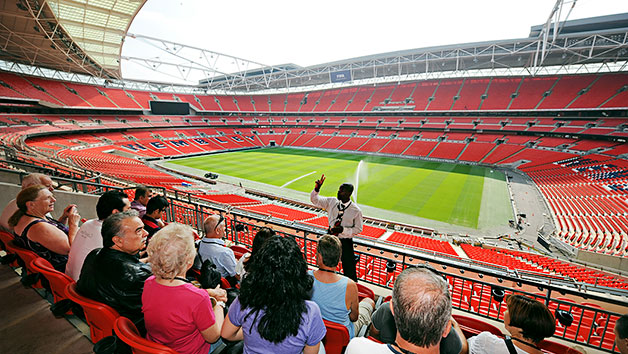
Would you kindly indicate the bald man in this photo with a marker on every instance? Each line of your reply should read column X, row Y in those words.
column 212, row 247
column 30, row 180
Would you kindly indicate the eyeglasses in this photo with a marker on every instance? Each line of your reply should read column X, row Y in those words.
column 220, row 220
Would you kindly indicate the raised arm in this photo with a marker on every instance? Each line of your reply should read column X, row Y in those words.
column 319, row 183
column 316, row 199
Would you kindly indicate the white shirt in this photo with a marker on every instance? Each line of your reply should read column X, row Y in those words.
column 351, row 220
column 489, row 343
column 87, row 239
column 360, row 345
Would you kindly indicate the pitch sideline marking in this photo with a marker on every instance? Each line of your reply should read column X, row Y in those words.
column 298, row 178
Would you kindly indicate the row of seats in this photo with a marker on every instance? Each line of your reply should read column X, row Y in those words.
column 373, row 126
column 589, row 213
column 515, row 93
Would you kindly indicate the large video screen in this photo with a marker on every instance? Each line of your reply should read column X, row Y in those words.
column 169, row 108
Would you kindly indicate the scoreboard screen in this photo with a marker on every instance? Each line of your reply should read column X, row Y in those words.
column 169, row 108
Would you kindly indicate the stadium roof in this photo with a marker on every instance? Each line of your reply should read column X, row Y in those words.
column 78, row 36
column 581, row 46
column 86, row 36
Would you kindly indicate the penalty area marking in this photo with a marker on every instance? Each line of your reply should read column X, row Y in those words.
column 298, row 178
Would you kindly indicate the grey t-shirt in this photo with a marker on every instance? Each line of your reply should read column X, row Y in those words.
column 384, row 322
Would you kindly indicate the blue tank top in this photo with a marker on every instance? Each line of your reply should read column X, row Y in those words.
column 330, row 297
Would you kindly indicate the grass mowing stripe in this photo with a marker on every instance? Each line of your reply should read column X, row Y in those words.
column 444, row 198
column 462, row 213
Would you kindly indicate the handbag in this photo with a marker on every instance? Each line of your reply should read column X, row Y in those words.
column 210, row 276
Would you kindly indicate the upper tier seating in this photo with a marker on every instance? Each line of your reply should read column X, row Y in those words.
column 528, row 93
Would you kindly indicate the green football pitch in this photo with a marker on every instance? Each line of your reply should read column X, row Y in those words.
column 446, row 192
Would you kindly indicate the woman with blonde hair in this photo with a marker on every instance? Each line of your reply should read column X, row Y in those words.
column 34, row 230
column 178, row 314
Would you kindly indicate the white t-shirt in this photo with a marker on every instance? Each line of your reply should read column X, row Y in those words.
column 87, row 239
column 359, row 345
column 489, row 343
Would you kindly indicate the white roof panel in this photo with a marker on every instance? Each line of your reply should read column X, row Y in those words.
column 97, row 26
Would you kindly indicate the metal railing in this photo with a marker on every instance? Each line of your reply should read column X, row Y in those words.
column 472, row 286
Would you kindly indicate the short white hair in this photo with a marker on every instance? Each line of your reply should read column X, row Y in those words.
column 170, row 250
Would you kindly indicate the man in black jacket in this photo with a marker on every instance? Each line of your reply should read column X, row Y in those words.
column 114, row 274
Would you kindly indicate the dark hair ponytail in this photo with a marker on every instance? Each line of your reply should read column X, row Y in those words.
column 25, row 195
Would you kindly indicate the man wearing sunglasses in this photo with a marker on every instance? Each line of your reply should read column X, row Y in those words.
column 345, row 221
column 212, row 247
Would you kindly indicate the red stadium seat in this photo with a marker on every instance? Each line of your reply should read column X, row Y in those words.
column 100, row 317
column 126, row 330
column 239, row 251
column 556, row 348
column 7, row 241
column 336, row 339
column 58, row 281
column 364, row 292
column 26, row 258
column 472, row 327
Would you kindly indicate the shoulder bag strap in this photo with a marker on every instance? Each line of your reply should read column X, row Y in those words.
column 509, row 345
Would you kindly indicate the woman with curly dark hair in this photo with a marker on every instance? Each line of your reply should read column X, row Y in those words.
column 261, row 236
column 272, row 313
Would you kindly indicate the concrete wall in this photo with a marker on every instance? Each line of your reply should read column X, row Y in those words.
column 603, row 260
column 86, row 203
column 8, row 177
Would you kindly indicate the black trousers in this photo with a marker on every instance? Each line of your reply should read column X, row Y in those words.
column 348, row 259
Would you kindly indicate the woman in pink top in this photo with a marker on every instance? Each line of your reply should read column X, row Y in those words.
column 178, row 314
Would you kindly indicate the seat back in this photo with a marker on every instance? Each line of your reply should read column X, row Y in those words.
column 126, row 330
column 556, row 348
column 239, row 251
column 100, row 317
column 364, row 292
column 472, row 327
column 27, row 256
column 9, row 247
column 336, row 339
column 5, row 237
column 58, row 281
